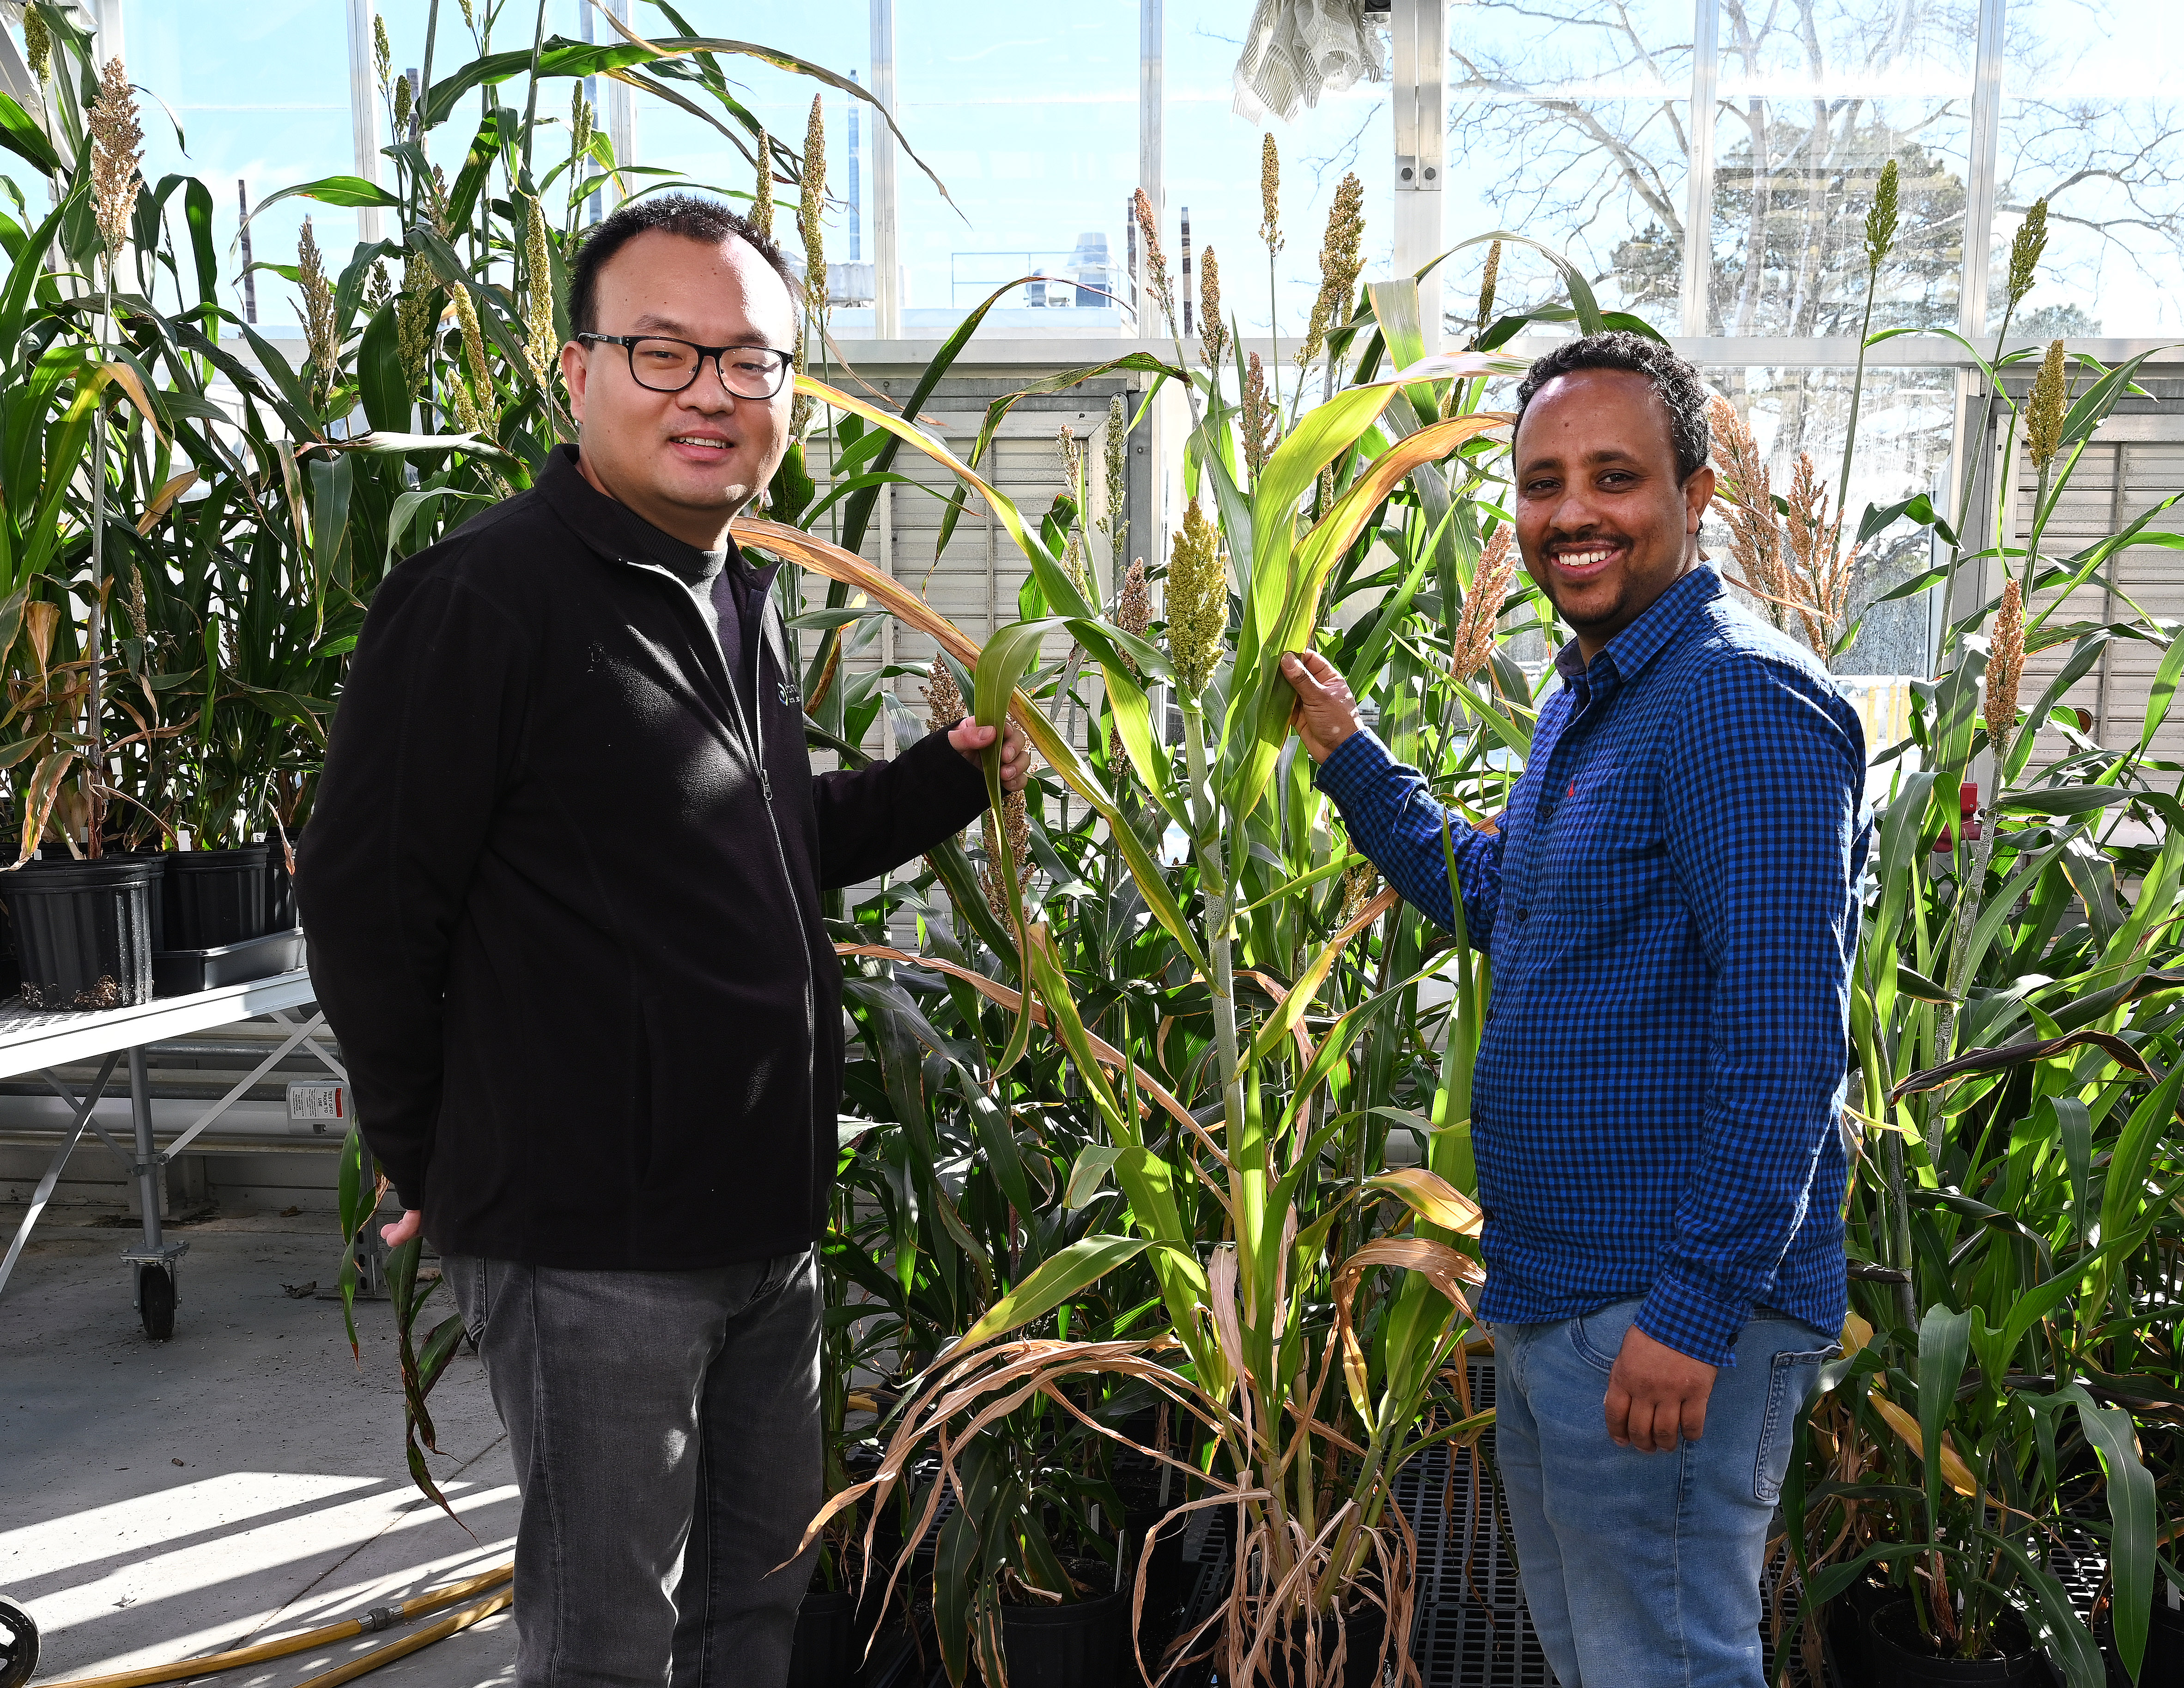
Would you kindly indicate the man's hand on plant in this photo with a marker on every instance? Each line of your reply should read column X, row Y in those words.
column 1325, row 713
column 402, row 1230
column 972, row 740
column 1655, row 1393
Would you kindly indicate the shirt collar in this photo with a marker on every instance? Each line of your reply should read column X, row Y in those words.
column 613, row 530
column 1656, row 628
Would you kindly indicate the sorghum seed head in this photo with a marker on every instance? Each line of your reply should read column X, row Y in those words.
column 2026, row 246
column 1258, row 418
column 1212, row 329
column 943, row 698
column 116, row 147
column 1270, row 193
column 413, row 324
column 37, row 44
column 1197, row 601
column 1340, row 258
column 541, row 346
column 1158, row 283
column 1134, row 612
column 1881, row 218
column 319, row 337
column 1489, row 589
column 2044, row 410
column 1116, row 459
column 814, row 205
column 580, row 121
column 762, row 189
column 2005, row 665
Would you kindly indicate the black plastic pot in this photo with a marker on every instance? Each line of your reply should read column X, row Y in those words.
column 1364, row 1632
column 216, row 897
column 279, row 886
column 1163, row 1573
column 83, row 931
column 1085, row 1643
column 1898, row 1656
column 1846, row 1639
column 826, row 1650
column 2163, row 1665
column 158, row 855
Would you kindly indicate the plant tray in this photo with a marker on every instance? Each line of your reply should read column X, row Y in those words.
column 181, row 972
column 1471, row 1628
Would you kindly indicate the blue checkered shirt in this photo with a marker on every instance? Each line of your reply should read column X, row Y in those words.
column 1670, row 903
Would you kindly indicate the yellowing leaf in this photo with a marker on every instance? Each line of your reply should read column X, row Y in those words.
column 126, row 378
column 1954, row 1472
column 1432, row 1198
column 163, row 500
column 1855, row 1333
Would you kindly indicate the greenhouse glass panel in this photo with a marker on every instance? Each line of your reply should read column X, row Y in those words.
column 1212, row 158
column 2100, row 131
column 237, row 127
column 674, row 140
column 1903, row 426
column 1029, row 118
column 1568, row 124
column 1814, row 99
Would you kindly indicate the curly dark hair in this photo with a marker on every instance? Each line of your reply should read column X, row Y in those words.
column 688, row 214
column 1682, row 392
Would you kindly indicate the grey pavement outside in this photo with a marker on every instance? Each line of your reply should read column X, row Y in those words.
column 243, row 1481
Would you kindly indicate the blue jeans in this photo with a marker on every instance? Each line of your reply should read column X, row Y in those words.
column 1642, row 1570
column 666, row 1435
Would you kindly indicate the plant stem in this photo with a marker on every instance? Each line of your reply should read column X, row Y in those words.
column 1968, row 892
column 2039, row 526
column 1213, row 880
column 1964, row 495
column 531, row 110
column 94, row 818
column 1857, row 393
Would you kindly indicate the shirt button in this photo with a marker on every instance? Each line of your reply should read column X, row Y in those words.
column 1524, row 909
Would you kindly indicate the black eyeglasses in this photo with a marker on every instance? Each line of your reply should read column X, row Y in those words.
column 667, row 366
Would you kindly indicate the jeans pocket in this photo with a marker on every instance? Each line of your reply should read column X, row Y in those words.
column 1597, row 1336
column 1790, row 1385
column 466, row 1275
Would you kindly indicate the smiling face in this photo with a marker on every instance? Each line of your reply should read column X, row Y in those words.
column 1603, row 524
column 684, row 461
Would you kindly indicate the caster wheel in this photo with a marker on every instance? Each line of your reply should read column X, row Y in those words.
column 155, row 1292
column 19, row 1644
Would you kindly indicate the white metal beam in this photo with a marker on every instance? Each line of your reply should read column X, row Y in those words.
column 1418, row 29
column 1152, row 123
column 1980, row 173
column 1152, row 99
column 1698, row 197
column 364, row 110
column 887, row 260
column 622, row 108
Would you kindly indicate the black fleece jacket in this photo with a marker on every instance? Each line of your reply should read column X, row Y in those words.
column 564, row 914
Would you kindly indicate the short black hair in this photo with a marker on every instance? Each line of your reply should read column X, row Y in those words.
column 1677, row 380
column 688, row 214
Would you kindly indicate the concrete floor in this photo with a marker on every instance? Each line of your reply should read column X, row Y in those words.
column 242, row 1482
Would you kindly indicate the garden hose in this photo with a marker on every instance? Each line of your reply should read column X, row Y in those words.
column 453, row 1624
column 379, row 1618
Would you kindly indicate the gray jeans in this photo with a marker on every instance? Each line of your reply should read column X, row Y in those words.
column 667, row 1437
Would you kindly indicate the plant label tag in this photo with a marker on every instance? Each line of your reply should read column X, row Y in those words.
column 310, row 1100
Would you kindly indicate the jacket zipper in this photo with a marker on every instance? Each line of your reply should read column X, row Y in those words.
column 752, row 736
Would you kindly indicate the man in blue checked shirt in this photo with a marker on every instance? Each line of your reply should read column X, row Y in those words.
column 1671, row 905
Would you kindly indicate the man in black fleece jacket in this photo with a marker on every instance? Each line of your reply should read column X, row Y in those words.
column 562, row 886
